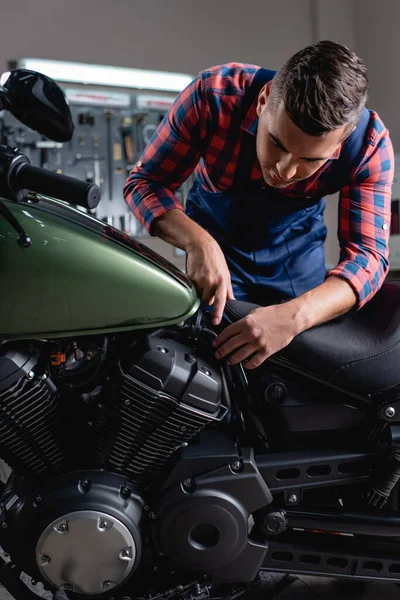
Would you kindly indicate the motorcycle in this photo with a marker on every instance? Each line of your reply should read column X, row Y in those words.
column 142, row 467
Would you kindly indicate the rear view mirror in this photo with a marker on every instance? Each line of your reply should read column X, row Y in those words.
column 38, row 102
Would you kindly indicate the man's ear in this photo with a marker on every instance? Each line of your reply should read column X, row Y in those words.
column 263, row 98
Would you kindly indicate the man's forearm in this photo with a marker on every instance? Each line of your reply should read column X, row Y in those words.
column 329, row 300
column 176, row 228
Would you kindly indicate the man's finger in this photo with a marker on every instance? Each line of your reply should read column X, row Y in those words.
column 232, row 344
column 219, row 305
column 242, row 354
column 227, row 333
column 231, row 295
column 256, row 360
column 207, row 295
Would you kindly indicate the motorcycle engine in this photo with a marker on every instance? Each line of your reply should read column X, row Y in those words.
column 73, row 509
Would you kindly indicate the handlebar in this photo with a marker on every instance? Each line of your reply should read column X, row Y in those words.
column 52, row 184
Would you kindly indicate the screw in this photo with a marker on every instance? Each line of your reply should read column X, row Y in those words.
column 63, row 528
column 127, row 402
column 106, row 584
column 206, row 372
column 125, row 553
column 146, row 507
column 183, row 428
column 30, row 375
column 45, row 559
column 33, row 582
column 125, row 492
column 38, row 499
column 162, row 350
column 188, row 483
column 390, row 412
column 293, row 499
column 153, row 515
column 236, row 466
column 4, row 525
column 103, row 525
column 85, row 483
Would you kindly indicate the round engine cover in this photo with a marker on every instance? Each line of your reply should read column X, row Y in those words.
column 81, row 531
column 205, row 525
column 87, row 552
column 204, row 531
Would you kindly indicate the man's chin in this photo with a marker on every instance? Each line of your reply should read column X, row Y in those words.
column 276, row 184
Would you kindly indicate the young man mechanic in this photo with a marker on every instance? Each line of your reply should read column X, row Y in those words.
column 267, row 148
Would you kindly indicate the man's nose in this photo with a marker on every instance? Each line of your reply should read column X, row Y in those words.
column 287, row 168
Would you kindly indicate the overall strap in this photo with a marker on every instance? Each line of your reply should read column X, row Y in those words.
column 248, row 146
column 351, row 151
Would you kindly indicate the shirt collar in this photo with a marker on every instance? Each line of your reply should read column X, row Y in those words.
column 250, row 125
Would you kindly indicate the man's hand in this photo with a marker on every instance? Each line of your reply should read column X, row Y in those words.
column 207, row 266
column 209, row 272
column 267, row 330
column 259, row 335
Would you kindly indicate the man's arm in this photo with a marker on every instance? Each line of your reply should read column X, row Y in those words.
column 363, row 235
column 206, row 263
column 167, row 162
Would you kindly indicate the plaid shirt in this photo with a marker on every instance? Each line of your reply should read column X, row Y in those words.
column 202, row 132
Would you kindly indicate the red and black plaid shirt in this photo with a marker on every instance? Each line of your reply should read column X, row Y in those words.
column 203, row 131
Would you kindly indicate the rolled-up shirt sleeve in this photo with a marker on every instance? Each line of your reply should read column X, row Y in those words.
column 364, row 220
column 169, row 159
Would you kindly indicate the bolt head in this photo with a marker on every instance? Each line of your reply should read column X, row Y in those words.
column 63, row 528
column 4, row 525
column 125, row 492
column 106, row 584
column 127, row 402
column 44, row 559
column 236, row 466
column 293, row 499
column 153, row 516
column 38, row 499
column 390, row 412
column 30, row 375
column 188, row 483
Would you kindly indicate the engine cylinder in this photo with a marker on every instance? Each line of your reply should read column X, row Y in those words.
column 33, row 439
column 168, row 394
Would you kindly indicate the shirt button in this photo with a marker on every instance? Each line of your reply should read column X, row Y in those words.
column 139, row 164
column 384, row 226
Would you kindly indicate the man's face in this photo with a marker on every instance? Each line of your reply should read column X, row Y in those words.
column 286, row 154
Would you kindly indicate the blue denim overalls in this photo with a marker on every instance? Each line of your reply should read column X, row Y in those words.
column 273, row 244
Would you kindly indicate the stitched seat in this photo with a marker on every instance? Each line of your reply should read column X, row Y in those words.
column 359, row 351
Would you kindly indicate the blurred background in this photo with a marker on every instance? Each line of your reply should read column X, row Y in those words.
column 113, row 124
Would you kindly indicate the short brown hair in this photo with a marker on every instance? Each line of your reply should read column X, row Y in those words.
column 323, row 87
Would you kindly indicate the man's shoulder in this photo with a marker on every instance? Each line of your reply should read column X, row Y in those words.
column 230, row 78
column 376, row 129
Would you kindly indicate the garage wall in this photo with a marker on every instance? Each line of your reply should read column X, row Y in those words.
column 377, row 40
column 177, row 35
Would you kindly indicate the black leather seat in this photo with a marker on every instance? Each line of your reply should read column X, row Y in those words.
column 359, row 351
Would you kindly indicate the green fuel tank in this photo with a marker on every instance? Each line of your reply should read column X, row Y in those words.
column 82, row 277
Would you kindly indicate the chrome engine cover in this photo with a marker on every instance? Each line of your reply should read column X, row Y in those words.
column 87, row 552
column 81, row 532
